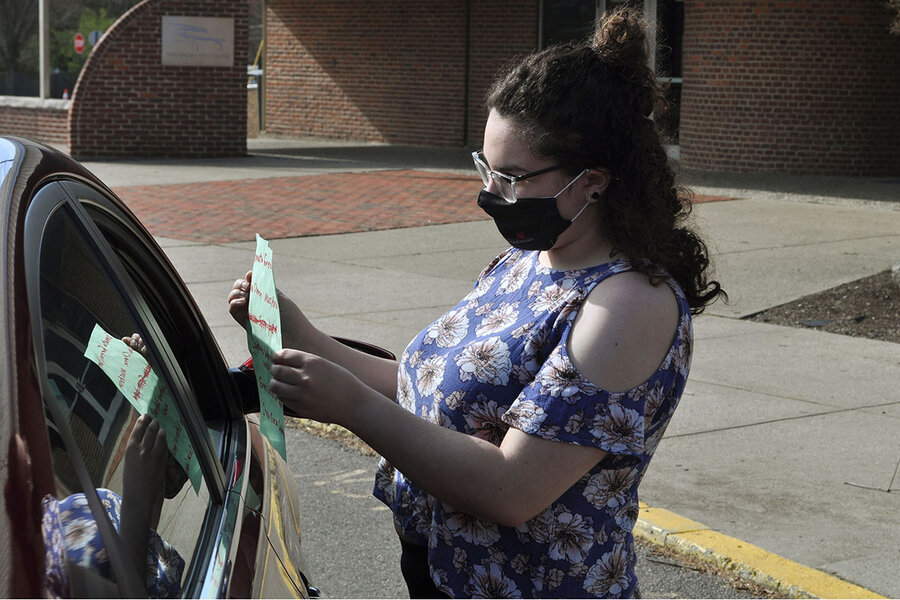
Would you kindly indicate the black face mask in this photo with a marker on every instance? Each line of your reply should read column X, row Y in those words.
column 529, row 223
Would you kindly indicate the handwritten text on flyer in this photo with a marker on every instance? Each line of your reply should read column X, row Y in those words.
column 134, row 377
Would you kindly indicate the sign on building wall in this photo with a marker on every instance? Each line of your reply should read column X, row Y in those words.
column 197, row 41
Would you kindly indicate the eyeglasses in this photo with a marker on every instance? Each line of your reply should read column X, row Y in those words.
column 507, row 183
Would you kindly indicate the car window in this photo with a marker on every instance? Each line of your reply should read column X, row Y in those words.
column 100, row 381
column 187, row 335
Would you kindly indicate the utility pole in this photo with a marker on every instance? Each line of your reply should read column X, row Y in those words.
column 44, row 42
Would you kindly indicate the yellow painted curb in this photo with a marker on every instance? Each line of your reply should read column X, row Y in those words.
column 789, row 578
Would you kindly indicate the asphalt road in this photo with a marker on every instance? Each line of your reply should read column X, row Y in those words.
column 352, row 550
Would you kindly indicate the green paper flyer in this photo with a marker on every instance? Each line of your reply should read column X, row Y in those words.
column 264, row 339
column 133, row 376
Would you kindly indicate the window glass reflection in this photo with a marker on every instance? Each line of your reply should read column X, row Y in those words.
column 145, row 487
column 197, row 354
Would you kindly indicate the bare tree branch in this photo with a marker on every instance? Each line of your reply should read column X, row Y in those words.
column 19, row 23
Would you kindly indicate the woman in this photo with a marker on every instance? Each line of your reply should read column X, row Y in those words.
column 516, row 428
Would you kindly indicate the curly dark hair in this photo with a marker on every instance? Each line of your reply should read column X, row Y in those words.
column 588, row 105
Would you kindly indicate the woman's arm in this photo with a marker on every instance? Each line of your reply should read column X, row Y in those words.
column 623, row 331
column 300, row 334
column 619, row 339
column 508, row 484
column 378, row 373
column 142, row 488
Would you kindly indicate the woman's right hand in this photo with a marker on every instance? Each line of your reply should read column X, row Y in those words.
column 297, row 331
column 239, row 299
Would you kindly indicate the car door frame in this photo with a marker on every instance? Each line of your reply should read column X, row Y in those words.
column 208, row 574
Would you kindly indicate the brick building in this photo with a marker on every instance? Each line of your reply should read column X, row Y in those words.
column 129, row 102
column 809, row 86
column 800, row 86
column 133, row 99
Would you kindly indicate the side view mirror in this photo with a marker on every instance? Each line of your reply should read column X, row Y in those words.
column 245, row 379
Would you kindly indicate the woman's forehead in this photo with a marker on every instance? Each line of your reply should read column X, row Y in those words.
column 505, row 147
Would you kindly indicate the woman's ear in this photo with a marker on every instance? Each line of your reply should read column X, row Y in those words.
column 597, row 182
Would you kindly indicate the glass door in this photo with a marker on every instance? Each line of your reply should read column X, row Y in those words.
column 572, row 20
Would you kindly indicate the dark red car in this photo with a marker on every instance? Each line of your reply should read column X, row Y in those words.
column 75, row 261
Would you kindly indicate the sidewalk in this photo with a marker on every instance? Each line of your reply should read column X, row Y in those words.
column 786, row 438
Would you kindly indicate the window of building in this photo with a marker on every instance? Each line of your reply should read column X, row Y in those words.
column 566, row 20
column 573, row 20
column 669, row 60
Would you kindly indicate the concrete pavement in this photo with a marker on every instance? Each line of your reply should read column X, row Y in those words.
column 786, row 442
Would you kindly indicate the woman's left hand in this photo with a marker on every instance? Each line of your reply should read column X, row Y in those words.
column 314, row 387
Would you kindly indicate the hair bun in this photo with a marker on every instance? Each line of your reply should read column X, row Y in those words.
column 620, row 37
column 620, row 40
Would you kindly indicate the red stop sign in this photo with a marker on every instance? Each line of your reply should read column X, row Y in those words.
column 79, row 43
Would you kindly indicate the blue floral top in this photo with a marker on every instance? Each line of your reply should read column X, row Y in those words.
column 498, row 360
column 71, row 536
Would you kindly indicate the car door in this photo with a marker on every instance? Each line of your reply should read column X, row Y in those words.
column 96, row 277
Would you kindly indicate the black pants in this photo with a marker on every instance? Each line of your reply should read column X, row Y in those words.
column 414, row 566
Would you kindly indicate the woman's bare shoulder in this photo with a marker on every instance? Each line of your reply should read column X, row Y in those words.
column 624, row 330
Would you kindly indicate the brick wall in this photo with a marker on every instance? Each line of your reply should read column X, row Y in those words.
column 126, row 103
column 501, row 31
column 791, row 86
column 390, row 71
column 45, row 120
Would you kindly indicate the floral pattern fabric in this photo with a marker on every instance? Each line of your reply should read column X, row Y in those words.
column 498, row 359
column 55, row 583
column 71, row 535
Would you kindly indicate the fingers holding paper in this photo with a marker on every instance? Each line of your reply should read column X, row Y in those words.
column 136, row 342
column 239, row 299
column 313, row 387
column 297, row 331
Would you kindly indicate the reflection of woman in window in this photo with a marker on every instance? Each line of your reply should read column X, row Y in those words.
column 76, row 561
column 175, row 473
